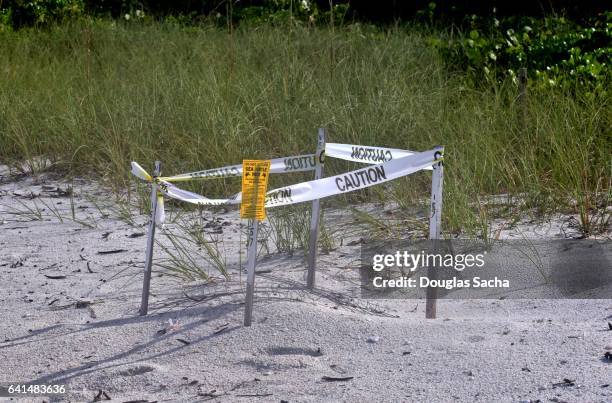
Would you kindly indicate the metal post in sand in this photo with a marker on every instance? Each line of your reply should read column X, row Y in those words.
column 435, row 228
column 146, row 283
column 251, row 264
column 254, row 184
column 316, row 212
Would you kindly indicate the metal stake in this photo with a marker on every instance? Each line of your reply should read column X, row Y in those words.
column 251, row 262
column 146, row 283
column 316, row 212
column 435, row 228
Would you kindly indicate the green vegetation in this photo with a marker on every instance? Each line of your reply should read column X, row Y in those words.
column 93, row 95
column 15, row 14
column 555, row 51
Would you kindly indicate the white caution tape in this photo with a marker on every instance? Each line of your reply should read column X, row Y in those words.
column 160, row 212
column 297, row 163
column 318, row 189
column 139, row 172
column 365, row 154
column 354, row 180
column 174, row 192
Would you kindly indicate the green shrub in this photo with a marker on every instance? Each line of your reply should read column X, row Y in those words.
column 19, row 13
column 555, row 51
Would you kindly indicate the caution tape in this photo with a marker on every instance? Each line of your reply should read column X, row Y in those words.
column 365, row 154
column 174, row 192
column 160, row 212
column 325, row 187
column 388, row 164
column 354, row 180
column 297, row 163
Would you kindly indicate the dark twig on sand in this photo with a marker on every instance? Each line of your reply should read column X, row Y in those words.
column 337, row 378
column 221, row 328
column 256, row 395
column 110, row 252
column 566, row 382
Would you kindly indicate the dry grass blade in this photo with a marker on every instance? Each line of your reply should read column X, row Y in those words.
column 190, row 250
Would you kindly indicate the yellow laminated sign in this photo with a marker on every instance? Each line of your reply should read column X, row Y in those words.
column 254, row 186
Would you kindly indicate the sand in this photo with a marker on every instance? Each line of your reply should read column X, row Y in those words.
column 69, row 316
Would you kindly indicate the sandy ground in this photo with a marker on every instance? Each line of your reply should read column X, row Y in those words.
column 70, row 295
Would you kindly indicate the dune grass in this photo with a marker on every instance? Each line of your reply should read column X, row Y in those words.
column 94, row 95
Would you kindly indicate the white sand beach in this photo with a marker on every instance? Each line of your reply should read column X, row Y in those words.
column 70, row 293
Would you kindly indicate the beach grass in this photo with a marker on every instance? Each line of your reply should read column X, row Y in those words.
column 93, row 95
